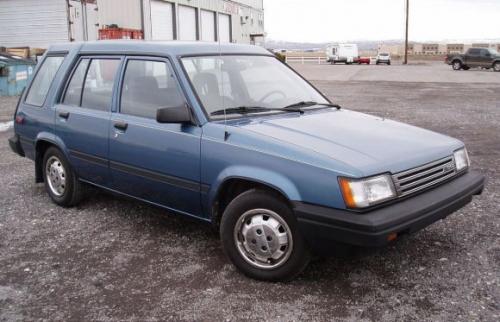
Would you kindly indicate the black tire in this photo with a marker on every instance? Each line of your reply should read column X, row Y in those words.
column 298, row 254
column 388, row 63
column 73, row 189
column 496, row 66
column 377, row 62
column 456, row 65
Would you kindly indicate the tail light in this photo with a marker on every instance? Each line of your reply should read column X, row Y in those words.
column 19, row 119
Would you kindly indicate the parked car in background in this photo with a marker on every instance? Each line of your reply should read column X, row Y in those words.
column 383, row 58
column 364, row 60
column 475, row 57
column 230, row 136
column 342, row 53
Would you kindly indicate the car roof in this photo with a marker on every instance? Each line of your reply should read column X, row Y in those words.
column 173, row 48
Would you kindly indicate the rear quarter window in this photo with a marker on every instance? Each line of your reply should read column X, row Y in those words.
column 43, row 80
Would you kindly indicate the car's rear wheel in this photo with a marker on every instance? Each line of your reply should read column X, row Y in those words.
column 260, row 236
column 457, row 65
column 496, row 67
column 61, row 182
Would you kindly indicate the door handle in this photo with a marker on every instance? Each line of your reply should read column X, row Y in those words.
column 120, row 125
column 64, row 114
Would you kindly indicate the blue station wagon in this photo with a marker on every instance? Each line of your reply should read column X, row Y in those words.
column 229, row 135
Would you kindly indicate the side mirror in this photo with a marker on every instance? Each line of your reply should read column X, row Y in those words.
column 174, row 114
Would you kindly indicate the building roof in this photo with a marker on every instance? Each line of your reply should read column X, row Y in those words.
column 173, row 48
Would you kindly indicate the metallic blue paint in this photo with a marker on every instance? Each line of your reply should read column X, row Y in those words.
column 182, row 167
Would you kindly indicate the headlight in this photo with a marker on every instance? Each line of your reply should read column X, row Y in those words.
column 361, row 193
column 461, row 159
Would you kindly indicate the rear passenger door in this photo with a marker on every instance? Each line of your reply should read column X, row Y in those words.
column 83, row 116
column 485, row 58
column 156, row 162
column 473, row 57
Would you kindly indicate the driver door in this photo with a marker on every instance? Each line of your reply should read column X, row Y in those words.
column 159, row 163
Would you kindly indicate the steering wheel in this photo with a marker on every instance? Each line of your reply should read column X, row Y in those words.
column 271, row 94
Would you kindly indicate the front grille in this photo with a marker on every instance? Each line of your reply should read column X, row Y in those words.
column 419, row 178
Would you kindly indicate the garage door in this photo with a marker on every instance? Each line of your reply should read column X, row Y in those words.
column 187, row 23
column 30, row 23
column 207, row 25
column 224, row 27
column 162, row 22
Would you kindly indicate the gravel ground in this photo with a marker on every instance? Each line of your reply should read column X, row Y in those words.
column 114, row 259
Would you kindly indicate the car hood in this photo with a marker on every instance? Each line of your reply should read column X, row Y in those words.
column 366, row 143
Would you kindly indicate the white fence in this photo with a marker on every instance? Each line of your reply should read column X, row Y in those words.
column 306, row 59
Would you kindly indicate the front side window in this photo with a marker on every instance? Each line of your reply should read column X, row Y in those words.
column 43, row 79
column 148, row 86
column 223, row 82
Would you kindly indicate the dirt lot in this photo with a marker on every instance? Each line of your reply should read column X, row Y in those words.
column 115, row 259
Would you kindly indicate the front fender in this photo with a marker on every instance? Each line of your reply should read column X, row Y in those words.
column 256, row 174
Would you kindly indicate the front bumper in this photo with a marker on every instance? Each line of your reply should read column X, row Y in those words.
column 321, row 226
column 15, row 145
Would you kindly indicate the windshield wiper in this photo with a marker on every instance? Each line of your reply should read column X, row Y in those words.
column 252, row 109
column 311, row 103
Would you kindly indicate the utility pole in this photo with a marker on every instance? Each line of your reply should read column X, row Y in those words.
column 406, row 38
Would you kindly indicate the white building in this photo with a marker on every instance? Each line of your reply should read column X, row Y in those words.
column 37, row 23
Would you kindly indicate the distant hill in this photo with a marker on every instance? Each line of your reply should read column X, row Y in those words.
column 300, row 46
column 363, row 45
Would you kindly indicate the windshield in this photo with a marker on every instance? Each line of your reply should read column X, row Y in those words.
column 224, row 82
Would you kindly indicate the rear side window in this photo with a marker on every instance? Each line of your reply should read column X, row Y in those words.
column 99, row 82
column 43, row 79
column 73, row 94
column 91, row 85
column 147, row 86
column 474, row 52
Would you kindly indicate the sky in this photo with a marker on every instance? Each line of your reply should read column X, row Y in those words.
column 343, row 20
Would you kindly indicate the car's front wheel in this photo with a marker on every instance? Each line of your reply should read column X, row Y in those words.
column 61, row 182
column 260, row 236
column 496, row 67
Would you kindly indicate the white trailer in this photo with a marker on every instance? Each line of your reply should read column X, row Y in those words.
column 342, row 53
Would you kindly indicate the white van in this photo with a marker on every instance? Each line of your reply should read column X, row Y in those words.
column 342, row 53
